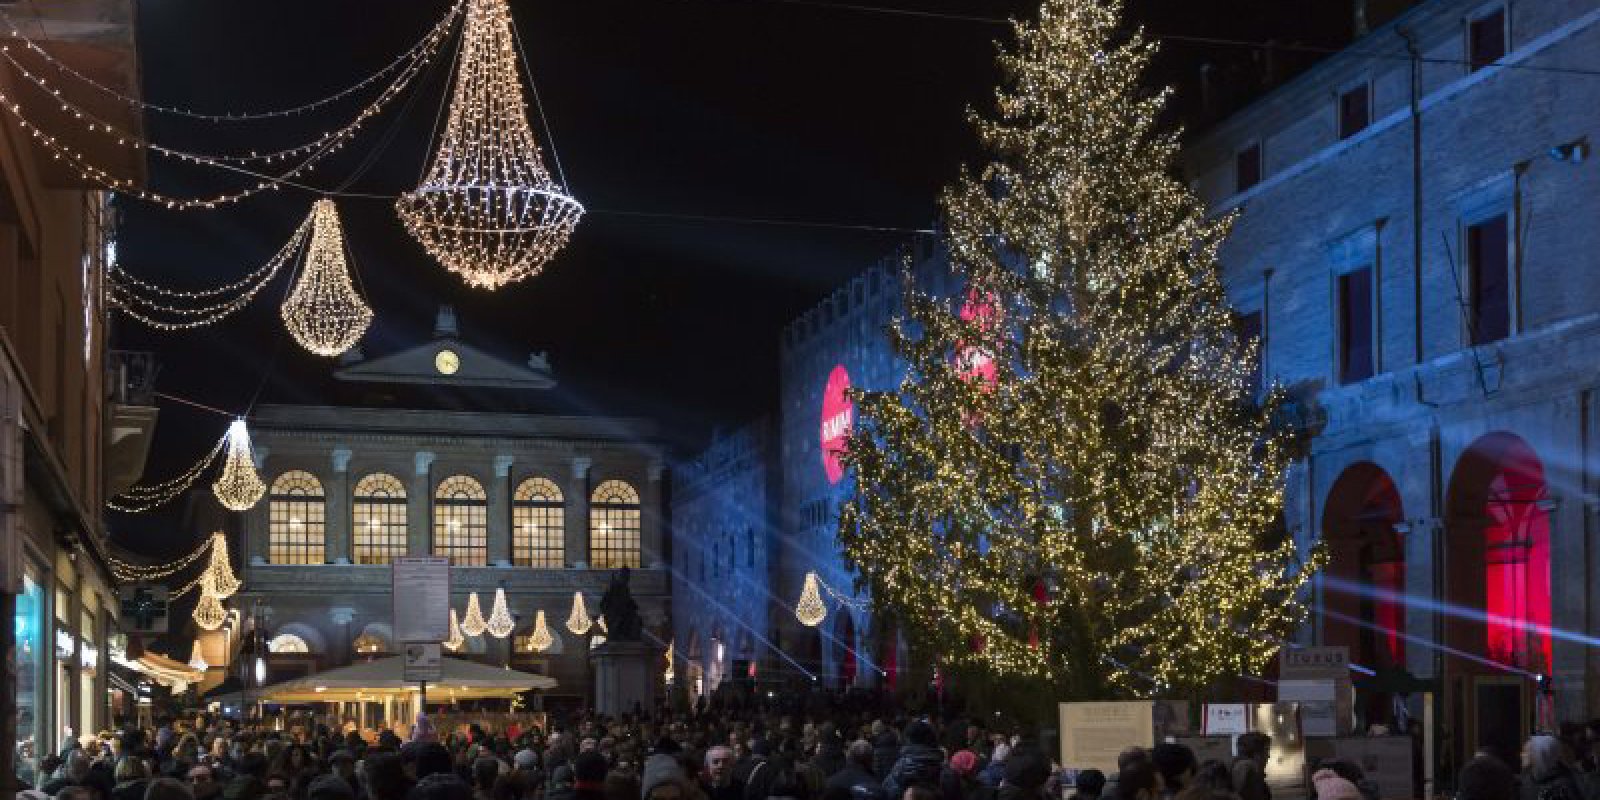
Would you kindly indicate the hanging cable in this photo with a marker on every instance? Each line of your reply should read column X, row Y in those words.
column 67, row 69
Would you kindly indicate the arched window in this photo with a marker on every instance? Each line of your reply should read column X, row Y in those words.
column 614, row 526
column 538, row 529
column 461, row 522
column 287, row 643
column 380, row 519
column 295, row 519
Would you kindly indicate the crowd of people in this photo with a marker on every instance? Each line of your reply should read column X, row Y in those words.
column 721, row 757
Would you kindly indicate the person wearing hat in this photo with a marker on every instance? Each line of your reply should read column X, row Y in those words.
column 963, row 774
column 663, row 779
column 329, row 787
column 589, row 776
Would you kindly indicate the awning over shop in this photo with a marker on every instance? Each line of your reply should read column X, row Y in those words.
column 383, row 678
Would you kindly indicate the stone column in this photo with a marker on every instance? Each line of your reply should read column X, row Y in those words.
column 577, row 518
column 419, row 504
column 651, row 518
column 500, row 512
column 342, row 616
column 336, row 526
column 256, row 548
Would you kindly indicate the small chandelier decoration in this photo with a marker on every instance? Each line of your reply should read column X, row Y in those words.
column 472, row 622
column 209, row 613
column 456, row 639
column 578, row 621
column 500, row 623
column 541, row 639
column 668, row 675
column 810, row 610
column 487, row 209
column 323, row 311
column 218, row 580
column 196, row 660
column 239, row 487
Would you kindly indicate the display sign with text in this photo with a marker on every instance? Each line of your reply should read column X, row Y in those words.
column 421, row 598
column 1094, row 734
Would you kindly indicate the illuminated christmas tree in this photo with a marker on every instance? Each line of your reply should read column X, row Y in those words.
column 1072, row 489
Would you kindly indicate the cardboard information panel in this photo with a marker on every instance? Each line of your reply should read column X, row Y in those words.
column 1093, row 734
column 421, row 598
column 1318, row 679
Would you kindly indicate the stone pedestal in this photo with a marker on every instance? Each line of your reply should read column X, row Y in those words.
column 624, row 675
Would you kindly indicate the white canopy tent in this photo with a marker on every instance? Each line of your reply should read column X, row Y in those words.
column 383, row 679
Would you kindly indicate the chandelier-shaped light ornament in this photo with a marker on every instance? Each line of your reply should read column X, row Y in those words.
column 218, row 579
column 668, row 675
column 324, row 312
column 472, row 622
column 239, row 487
column 810, row 610
column 578, row 621
column 196, row 660
column 209, row 613
column 456, row 639
column 541, row 639
column 487, row 209
column 500, row 623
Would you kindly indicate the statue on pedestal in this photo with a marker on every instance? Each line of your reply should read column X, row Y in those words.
column 619, row 609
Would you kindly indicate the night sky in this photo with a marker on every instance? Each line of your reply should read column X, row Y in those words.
column 755, row 109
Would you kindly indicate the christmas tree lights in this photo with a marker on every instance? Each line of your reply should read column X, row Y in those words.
column 1086, row 518
column 323, row 311
column 487, row 209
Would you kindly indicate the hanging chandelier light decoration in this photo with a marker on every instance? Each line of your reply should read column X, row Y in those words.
column 196, row 660
column 218, row 578
column 500, row 624
column 810, row 611
column 239, row 487
column 472, row 622
column 323, row 311
column 541, row 639
column 139, row 499
column 209, row 614
column 456, row 639
column 487, row 208
column 667, row 676
column 578, row 621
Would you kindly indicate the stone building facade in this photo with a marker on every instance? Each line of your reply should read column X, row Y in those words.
column 723, row 559
column 543, row 506
column 74, row 428
column 1411, row 245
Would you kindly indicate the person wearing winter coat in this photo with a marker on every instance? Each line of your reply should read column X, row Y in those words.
column 885, row 750
column 1545, row 773
column 132, row 778
column 921, row 763
column 1249, row 768
column 856, row 775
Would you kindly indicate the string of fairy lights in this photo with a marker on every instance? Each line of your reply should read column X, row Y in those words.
column 216, row 582
column 238, row 486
